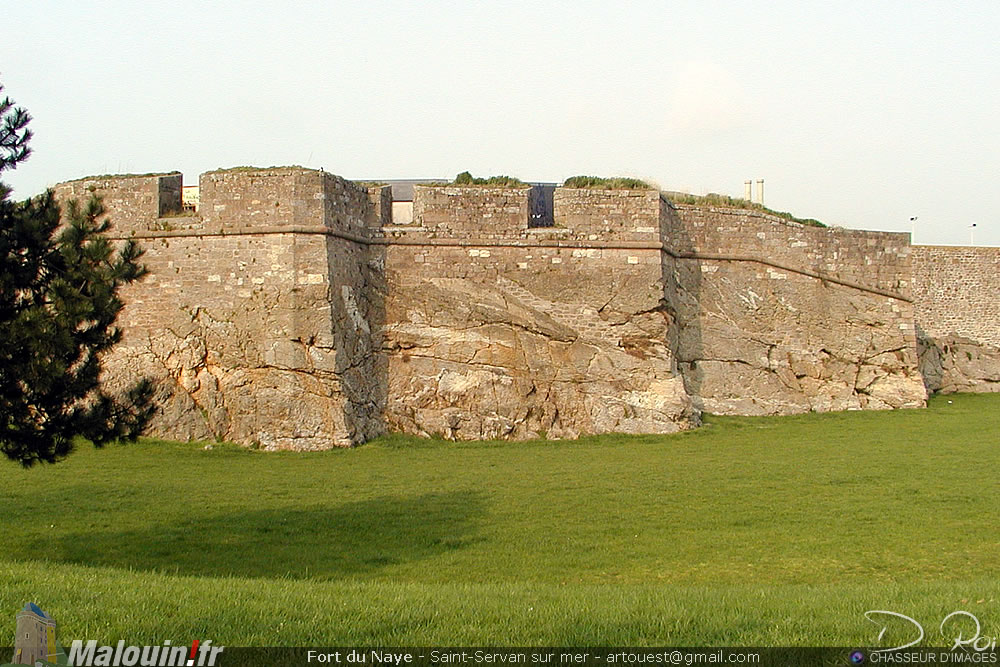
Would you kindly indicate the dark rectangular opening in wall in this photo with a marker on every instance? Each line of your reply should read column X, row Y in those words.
column 170, row 187
column 540, row 203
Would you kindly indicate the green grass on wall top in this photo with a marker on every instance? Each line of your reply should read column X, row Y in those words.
column 724, row 201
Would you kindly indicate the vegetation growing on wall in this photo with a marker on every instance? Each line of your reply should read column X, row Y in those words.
column 724, row 201
column 99, row 177
column 465, row 178
column 252, row 168
column 600, row 183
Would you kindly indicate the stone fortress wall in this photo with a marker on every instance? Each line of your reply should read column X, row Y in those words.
column 497, row 329
column 291, row 313
column 956, row 293
column 254, row 319
column 777, row 317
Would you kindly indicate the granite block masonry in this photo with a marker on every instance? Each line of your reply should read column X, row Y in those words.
column 289, row 312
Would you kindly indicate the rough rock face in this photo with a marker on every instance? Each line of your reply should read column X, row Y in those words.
column 199, row 392
column 955, row 363
column 470, row 361
column 750, row 345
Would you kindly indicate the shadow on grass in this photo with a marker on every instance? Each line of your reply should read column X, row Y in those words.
column 354, row 539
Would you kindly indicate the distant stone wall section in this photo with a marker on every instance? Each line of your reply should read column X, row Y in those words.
column 956, row 292
column 476, row 210
column 609, row 214
column 381, row 199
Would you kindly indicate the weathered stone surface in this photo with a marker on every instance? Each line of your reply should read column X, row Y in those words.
column 469, row 361
column 755, row 338
column 955, row 363
column 956, row 292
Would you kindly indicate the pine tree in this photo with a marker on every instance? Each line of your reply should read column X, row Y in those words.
column 59, row 283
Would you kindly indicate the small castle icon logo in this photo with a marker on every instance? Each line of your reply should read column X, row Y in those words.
column 35, row 638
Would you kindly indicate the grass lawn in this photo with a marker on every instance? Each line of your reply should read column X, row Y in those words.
column 750, row 531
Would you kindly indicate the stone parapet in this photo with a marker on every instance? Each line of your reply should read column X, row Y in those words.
column 462, row 210
column 381, row 200
column 243, row 198
column 132, row 202
column 609, row 214
column 879, row 260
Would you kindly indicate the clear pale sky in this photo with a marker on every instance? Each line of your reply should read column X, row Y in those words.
column 860, row 114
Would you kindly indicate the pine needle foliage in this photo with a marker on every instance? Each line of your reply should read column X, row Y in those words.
column 59, row 283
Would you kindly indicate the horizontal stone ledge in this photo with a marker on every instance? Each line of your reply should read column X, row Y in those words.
column 264, row 230
column 791, row 269
column 519, row 243
column 386, row 241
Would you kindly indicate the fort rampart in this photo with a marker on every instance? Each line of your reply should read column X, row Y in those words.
column 290, row 312
column 956, row 295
